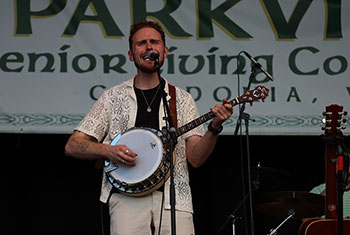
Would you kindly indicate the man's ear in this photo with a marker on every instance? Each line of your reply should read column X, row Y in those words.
column 131, row 56
column 165, row 52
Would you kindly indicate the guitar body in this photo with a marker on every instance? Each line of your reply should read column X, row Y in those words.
column 323, row 227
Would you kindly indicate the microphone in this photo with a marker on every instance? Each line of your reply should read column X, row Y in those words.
column 259, row 66
column 153, row 55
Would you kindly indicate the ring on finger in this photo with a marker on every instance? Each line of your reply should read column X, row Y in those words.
column 127, row 151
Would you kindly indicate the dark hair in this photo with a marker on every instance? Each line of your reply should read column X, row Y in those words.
column 143, row 24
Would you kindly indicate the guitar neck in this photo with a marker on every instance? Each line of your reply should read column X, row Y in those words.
column 198, row 121
column 333, row 137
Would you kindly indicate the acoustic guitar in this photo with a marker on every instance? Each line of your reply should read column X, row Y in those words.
column 333, row 137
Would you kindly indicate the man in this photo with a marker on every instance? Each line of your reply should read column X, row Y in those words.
column 137, row 103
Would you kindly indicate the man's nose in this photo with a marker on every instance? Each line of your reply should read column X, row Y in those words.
column 149, row 45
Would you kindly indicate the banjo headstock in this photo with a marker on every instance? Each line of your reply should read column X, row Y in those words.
column 258, row 93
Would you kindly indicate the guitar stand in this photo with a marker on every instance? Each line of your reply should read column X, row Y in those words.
column 291, row 213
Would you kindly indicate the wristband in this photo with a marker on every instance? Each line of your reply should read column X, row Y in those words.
column 213, row 130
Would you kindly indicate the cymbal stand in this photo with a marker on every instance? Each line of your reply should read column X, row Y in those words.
column 232, row 217
column 291, row 214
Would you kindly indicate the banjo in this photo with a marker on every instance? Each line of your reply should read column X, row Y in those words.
column 153, row 160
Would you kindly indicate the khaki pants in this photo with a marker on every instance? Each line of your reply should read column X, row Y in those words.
column 141, row 215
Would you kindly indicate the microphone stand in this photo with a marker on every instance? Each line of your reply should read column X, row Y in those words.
column 169, row 132
column 246, row 117
column 340, row 189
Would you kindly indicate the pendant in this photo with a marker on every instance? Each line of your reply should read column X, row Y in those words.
column 149, row 109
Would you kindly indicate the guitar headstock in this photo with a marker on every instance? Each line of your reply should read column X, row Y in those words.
column 333, row 120
column 259, row 93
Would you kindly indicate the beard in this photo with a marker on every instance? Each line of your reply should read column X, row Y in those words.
column 147, row 68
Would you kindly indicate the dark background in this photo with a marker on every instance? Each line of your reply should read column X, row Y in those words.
column 47, row 192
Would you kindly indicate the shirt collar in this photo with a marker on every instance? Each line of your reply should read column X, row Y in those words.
column 130, row 85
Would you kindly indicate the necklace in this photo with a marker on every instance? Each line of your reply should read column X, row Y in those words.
column 149, row 105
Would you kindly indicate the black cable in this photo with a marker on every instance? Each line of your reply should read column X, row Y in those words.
column 161, row 209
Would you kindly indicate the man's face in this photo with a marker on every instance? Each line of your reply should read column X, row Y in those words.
column 143, row 41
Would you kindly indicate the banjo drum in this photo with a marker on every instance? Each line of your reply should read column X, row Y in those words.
column 152, row 163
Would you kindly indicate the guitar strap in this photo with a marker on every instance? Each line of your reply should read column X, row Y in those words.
column 172, row 104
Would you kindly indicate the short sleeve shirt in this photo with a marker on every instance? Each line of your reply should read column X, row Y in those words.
column 115, row 112
column 346, row 198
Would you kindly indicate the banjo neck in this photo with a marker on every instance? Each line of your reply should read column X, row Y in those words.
column 260, row 92
column 193, row 124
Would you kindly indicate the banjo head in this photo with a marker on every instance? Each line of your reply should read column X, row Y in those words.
column 150, row 166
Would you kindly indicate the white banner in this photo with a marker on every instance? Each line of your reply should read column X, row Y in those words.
column 57, row 56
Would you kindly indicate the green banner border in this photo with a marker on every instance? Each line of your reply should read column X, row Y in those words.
column 257, row 121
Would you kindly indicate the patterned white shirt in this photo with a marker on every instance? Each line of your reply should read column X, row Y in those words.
column 115, row 112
